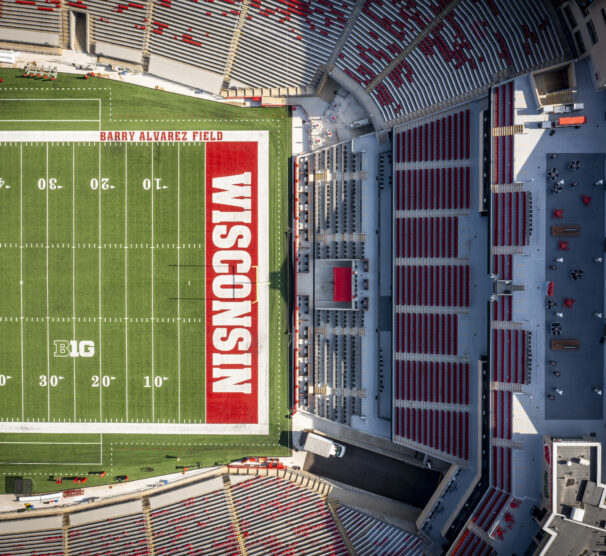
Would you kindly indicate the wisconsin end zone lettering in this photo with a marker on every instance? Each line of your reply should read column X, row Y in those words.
column 231, row 266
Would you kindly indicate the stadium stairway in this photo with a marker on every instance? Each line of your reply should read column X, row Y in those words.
column 234, row 514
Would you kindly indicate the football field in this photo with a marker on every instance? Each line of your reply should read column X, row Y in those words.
column 143, row 284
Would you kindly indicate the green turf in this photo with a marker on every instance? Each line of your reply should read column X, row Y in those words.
column 87, row 281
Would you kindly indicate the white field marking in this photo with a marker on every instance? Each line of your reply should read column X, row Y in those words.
column 1, row 120
column 74, row 261
column 126, row 272
column 47, row 301
column 46, row 99
column 152, row 287
column 101, row 448
column 99, row 116
column 194, row 428
column 21, row 272
column 100, row 317
column 54, row 443
column 179, row 279
column 204, row 358
column 49, row 463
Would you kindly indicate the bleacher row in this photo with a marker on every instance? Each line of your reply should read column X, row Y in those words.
column 337, row 365
column 503, row 308
column 510, row 218
column 489, row 508
column 443, row 430
column 33, row 15
column 443, row 138
column 430, row 381
column 464, row 52
column 433, row 188
column 296, row 38
column 503, row 116
column 502, row 420
column 116, row 21
column 194, row 32
column 502, row 266
column 432, row 285
column 510, row 355
column 49, row 543
column 471, row 544
column 427, row 333
column 203, row 524
column 501, row 466
column 275, row 516
column 120, row 535
column 382, row 539
column 432, row 237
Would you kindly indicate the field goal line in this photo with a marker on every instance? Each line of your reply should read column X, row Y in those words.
column 98, row 119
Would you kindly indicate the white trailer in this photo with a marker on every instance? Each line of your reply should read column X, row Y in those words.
column 323, row 446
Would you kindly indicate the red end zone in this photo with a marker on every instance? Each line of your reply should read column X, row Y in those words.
column 232, row 258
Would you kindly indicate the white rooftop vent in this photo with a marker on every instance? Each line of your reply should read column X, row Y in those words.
column 578, row 514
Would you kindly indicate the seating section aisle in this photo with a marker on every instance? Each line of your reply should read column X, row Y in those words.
column 33, row 15
column 277, row 516
column 201, row 525
column 49, row 543
column 122, row 535
column 464, row 52
column 371, row 536
column 195, row 32
column 296, row 38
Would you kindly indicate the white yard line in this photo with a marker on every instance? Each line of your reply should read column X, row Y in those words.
column 74, row 262
column 153, row 185
column 47, row 299
column 179, row 278
column 100, row 314
column 126, row 272
column 1, row 120
column 21, row 272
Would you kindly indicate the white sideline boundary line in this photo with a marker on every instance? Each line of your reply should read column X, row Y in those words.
column 1, row 120
column 49, row 463
column 21, row 273
column 53, row 443
column 100, row 314
column 126, row 274
column 74, row 263
column 179, row 281
column 47, row 299
column 135, row 428
column 153, row 377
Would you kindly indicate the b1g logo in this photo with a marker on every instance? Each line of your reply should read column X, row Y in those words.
column 73, row 348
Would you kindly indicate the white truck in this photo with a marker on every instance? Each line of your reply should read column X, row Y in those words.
column 323, row 446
